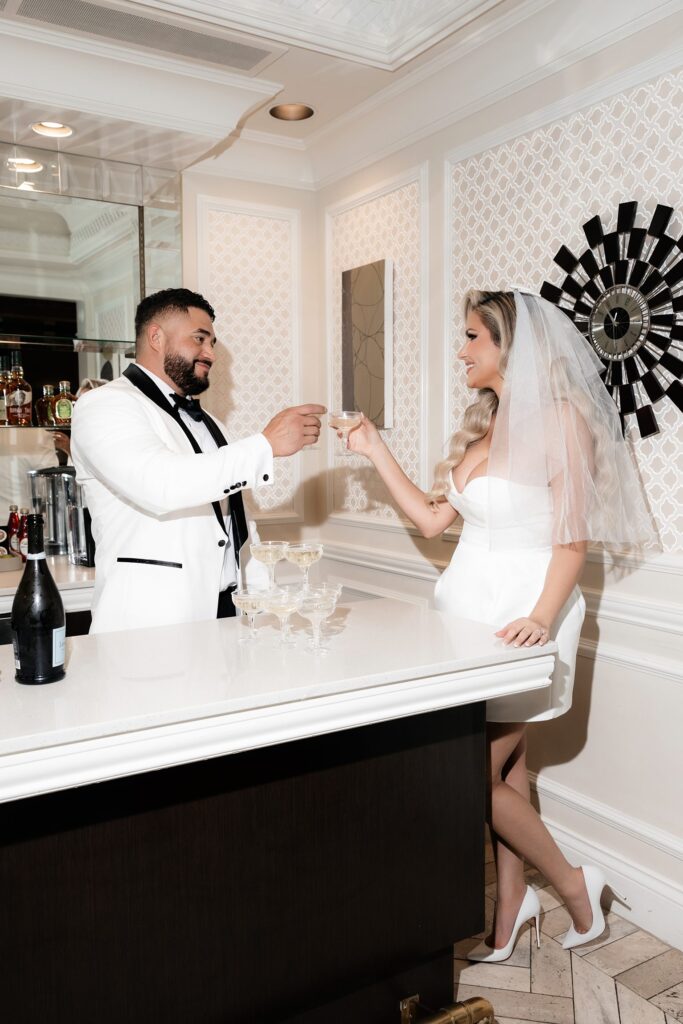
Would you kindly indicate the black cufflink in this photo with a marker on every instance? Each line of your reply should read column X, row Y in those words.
column 244, row 483
column 221, row 543
column 226, row 491
column 265, row 476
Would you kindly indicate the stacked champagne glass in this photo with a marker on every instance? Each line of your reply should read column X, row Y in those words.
column 313, row 603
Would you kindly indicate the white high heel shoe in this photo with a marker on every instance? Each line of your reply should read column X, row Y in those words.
column 530, row 907
column 595, row 883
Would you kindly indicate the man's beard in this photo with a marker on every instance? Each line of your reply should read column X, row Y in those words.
column 181, row 372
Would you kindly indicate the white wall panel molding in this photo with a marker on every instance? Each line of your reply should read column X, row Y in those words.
column 655, row 898
column 635, row 828
column 404, row 238
column 632, row 659
column 249, row 262
column 631, row 612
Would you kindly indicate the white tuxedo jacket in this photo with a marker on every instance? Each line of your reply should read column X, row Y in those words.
column 159, row 544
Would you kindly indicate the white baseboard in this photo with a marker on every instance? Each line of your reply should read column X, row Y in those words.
column 655, row 900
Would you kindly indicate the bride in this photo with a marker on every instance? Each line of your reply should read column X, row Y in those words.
column 538, row 469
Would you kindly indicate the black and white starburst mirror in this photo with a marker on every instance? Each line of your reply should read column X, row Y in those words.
column 625, row 295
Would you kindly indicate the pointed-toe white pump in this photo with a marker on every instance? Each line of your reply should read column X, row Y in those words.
column 530, row 907
column 595, row 883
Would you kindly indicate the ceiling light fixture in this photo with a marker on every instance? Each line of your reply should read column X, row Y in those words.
column 53, row 129
column 24, row 164
column 291, row 111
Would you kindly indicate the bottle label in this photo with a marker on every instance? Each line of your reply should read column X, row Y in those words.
column 18, row 398
column 23, row 548
column 15, row 644
column 63, row 409
column 36, row 557
column 3, row 407
column 58, row 641
column 14, row 543
column 3, row 535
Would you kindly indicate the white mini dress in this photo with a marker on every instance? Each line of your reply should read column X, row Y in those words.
column 501, row 582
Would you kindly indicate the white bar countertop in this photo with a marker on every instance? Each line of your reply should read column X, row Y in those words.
column 146, row 699
column 75, row 584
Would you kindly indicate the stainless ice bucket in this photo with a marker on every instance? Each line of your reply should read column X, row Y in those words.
column 48, row 497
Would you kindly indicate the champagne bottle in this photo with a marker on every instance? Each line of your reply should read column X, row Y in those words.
column 38, row 622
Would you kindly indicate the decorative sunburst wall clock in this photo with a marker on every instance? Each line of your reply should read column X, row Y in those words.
column 625, row 295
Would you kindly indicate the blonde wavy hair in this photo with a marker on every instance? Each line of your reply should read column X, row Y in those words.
column 498, row 313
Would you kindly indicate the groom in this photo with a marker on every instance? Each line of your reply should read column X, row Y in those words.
column 162, row 484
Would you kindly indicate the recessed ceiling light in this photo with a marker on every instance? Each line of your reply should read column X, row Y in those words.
column 291, row 111
column 54, row 129
column 24, row 164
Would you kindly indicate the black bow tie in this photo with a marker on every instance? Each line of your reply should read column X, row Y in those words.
column 190, row 405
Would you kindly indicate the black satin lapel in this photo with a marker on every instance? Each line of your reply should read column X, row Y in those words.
column 145, row 384
column 214, row 430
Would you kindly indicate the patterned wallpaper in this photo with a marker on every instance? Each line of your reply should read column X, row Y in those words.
column 250, row 274
column 387, row 226
column 514, row 205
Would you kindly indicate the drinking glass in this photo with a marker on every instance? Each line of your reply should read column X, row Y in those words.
column 344, row 422
column 304, row 555
column 270, row 552
column 250, row 601
column 283, row 602
column 317, row 605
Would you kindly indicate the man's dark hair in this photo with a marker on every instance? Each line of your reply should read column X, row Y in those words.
column 170, row 300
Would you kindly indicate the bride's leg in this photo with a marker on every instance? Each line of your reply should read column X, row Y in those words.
column 517, row 824
column 509, row 867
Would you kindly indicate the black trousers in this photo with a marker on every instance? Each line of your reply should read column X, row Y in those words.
column 226, row 609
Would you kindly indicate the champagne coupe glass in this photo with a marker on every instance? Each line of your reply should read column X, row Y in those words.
column 317, row 605
column 270, row 552
column 283, row 602
column 344, row 422
column 304, row 555
column 250, row 601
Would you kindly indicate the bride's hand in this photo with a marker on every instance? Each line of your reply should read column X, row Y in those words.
column 524, row 632
column 364, row 439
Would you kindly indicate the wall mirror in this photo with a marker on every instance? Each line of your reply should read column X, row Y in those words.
column 73, row 268
column 367, row 341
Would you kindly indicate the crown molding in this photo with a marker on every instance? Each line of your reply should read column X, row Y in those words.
column 387, row 51
column 140, row 58
column 466, row 45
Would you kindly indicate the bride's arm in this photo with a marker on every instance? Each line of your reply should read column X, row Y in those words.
column 366, row 440
column 564, row 572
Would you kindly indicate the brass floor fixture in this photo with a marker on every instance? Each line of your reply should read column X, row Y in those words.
column 475, row 1010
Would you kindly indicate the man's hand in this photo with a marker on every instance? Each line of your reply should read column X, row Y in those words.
column 293, row 428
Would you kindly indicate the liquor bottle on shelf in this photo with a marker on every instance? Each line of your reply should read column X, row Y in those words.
column 4, row 387
column 37, row 621
column 63, row 404
column 13, row 530
column 22, row 536
column 44, row 407
column 19, row 396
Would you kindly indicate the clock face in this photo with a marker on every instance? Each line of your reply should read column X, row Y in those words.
column 625, row 295
column 619, row 322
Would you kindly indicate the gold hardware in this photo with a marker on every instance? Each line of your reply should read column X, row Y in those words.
column 408, row 1008
column 472, row 1011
